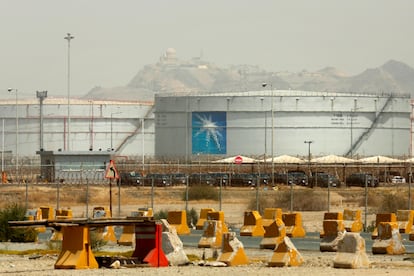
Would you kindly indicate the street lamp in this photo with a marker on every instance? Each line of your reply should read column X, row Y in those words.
column 68, row 37
column 309, row 151
column 273, row 129
column 41, row 95
column 309, row 143
column 17, row 135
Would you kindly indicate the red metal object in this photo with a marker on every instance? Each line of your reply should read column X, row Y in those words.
column 156, row 256
column 148, row 244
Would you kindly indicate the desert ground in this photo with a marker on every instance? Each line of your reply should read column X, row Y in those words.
column 234, row 202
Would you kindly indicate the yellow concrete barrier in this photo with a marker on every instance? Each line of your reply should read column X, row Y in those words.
column 60, row 214
column 285, row 254
column 252, row 224
column 389, row 240
column 143, row 213
column 64, row 214
column 178, row 220
column 270, row 215
column 293, row 224
column 333, row 233
column 274, row 234
column 382, row 217
column 214, row 227
column 351, row 252
column 353, row 221
column 106, row 233
column 212, row 234
column 218, row 215
column 203, row 217
column 232, row 251
column 128, row 231
column 41, row 213
column 76, row 249
column 47, row 212
column 405, row 220
column 330, row 216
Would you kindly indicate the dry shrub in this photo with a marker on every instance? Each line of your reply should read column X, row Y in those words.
column 385, row 202
column 15, row 212
column 392, row 202
column 199, row 192
column 264, row 202
column 303, row 200
column 308, row 200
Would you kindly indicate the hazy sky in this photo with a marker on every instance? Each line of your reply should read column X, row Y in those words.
column 115, row 39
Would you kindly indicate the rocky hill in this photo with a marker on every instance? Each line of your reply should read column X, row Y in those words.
column 171, row 75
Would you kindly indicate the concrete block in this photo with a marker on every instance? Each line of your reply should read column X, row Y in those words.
column 382, row 217
column 203, row 217
column 172, row 245
column 285, row 254
column 351, row 252
column 178, row 220
column 274, row 234
column 293, row 224
column 212, row 235
column 270, row 215
column 389, row 240
column 252, row 225
column 330, row 216
column 405, row 220
column 334, row 231
column 353, row 220
column 232, row 251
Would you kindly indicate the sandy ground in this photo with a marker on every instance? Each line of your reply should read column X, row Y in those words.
column 315, row 262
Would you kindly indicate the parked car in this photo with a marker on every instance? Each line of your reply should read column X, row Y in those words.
column 321, row 179
column 178, row 178
column 160, row 179
column 220, row 177
column 201, row 179
column 264, row 178
column 130, row 178
column 358, row 179
column 283, row 178
column 298, row 178
column 243, row 180
column 398, row 179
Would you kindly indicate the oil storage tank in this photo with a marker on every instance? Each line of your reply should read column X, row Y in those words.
column 276, row 122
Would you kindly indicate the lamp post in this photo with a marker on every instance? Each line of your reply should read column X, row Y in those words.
column 273, row 129
column 309, row 142
column 41, row 95
column 309, row 150
column 17, row 136
column 68, row 37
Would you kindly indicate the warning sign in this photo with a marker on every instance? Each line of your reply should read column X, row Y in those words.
column 111, row 171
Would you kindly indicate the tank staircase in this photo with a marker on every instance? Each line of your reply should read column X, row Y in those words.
column 137, row 130
column 374, row 123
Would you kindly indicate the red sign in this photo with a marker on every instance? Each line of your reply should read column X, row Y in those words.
column 111, row 171
column 238, row 159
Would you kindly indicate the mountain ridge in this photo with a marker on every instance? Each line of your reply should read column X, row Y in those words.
column 171, row 75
